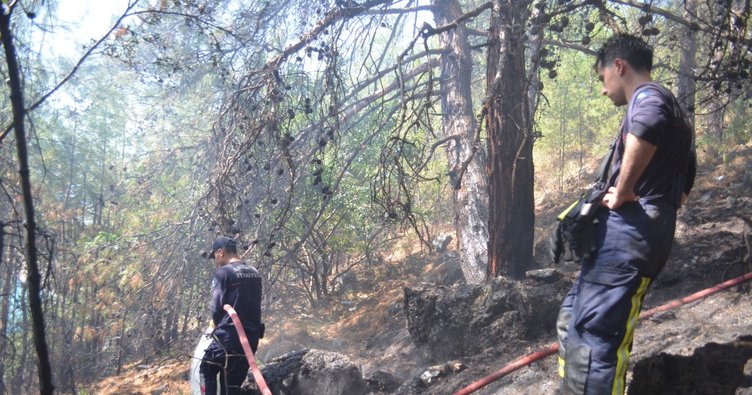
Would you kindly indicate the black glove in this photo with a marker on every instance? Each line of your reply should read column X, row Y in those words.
column 579, row 239
column 556, row 243
column 574, row 236
column 572, row 241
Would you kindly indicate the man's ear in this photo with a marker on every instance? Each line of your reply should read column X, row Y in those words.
column 620, row 65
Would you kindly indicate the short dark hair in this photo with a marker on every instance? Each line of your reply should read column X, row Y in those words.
column 631, row 48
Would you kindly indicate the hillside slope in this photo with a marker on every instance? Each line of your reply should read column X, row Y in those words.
column 369, row 326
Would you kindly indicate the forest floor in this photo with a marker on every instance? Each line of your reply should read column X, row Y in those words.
column 368, row 325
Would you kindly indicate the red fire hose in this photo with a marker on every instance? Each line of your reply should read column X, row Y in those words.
column 696, row 296
column 554, row 347
column 248, row 351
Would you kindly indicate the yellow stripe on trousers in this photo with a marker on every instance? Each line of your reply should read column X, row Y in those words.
column 622, row 353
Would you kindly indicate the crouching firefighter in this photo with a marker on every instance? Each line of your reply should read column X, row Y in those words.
column 652, row 170
column 239, row 285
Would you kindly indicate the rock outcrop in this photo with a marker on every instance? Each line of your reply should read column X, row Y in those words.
column 711, row 369
column 452, row 322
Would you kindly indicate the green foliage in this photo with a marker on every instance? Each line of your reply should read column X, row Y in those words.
column 577, row 124
column 739, row 127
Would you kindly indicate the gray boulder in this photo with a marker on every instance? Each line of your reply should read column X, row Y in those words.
column 382, row 382
column 423, row 382
column 440, row 243
column 310, row 372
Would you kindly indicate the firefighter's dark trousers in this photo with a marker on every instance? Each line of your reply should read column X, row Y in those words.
column 598, row 316
column 223, row 371
column 224, row 365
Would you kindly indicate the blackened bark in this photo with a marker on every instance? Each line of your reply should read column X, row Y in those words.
column 510, row 144
column 470, row 194
column 33, row 277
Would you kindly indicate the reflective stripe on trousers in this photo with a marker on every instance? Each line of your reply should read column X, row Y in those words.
column 595, row 328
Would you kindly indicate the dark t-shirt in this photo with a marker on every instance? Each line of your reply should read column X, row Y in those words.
column 239, row 285
column 654, row 115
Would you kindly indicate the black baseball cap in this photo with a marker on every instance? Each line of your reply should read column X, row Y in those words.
column 223, row 242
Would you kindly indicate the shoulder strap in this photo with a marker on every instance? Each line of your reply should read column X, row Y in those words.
column 606, row 163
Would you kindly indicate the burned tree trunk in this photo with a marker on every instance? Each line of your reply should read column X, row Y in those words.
column 510, row 144
column 33, row 278
column 467, row 160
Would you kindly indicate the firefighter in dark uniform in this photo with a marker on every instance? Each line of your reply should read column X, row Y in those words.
column 238, row 284
column 652, row 172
